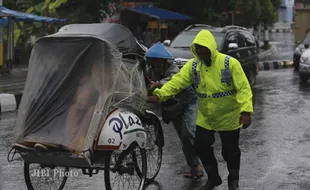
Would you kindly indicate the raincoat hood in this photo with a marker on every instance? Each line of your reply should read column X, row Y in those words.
column 206, row 39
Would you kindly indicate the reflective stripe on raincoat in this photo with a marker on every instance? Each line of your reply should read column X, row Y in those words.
column 220, row 102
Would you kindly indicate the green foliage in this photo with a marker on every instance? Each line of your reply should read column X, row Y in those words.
column 83, row 11
column 75, row 11
column 52, row 6
column 43, row 8
column 40, row 7
column 276, row 3
column 253, row 11
column 268, row 13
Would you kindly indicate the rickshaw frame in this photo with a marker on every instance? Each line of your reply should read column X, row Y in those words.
column 93, row 159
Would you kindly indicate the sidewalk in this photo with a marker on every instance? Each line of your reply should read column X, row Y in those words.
column 11, row 87
column 14, row 81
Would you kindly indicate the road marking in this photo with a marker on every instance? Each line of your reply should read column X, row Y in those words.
column 12, row 84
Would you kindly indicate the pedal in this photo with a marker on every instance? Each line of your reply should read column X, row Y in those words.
column 90, row 171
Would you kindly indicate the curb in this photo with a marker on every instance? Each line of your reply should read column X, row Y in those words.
column 271, row 50
column 9, row 102
column 274, row 65
column 279, row 30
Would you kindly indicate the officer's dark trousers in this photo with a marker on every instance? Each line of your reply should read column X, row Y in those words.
column 230, row 152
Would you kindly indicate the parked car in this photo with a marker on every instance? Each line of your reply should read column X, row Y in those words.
column 235, row 41
column 304, row 66
column 302, row 47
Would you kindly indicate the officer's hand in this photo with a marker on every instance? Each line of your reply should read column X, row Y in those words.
column 245, row 119
column 152, row 85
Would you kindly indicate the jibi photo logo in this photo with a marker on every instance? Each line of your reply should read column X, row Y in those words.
column 56, row 172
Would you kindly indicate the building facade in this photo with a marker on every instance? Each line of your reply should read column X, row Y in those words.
column 302, row 3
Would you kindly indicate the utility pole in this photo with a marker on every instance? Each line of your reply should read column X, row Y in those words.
column 1, row 40
column 266, row 39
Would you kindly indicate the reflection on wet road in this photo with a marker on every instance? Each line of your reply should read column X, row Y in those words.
column 275, row 149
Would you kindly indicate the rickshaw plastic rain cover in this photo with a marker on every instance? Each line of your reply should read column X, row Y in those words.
column 72, row 84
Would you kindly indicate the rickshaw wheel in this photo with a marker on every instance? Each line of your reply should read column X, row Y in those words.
column 154, row 147
column 45, row 175
column 125, row 164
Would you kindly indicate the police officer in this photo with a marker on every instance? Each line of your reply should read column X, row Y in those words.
column 224, row 105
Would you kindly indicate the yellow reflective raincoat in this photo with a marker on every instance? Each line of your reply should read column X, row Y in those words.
column 223, row 89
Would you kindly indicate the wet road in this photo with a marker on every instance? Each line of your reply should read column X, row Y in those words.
column 13, row 83
column 275, row 149
column 285, row 47
column 282, row 37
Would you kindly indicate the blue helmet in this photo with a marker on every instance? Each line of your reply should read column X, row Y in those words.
column 158, row 51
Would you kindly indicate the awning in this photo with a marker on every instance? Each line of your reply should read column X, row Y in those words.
column 158, row 13
column 19, row 16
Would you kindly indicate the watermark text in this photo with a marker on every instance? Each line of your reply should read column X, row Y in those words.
column 47, row 172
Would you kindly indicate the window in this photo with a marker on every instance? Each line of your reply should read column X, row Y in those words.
column 231, row 38
column 185, row 40
column 218, row 38
column 249, row 39
column 240, row 40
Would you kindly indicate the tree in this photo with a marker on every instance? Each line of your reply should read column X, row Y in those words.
column 75, row 11
column 268, row 14
column 254, row 11
column 94, row 11
column 37, row 7
column 276, row 3
column 250, row 9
